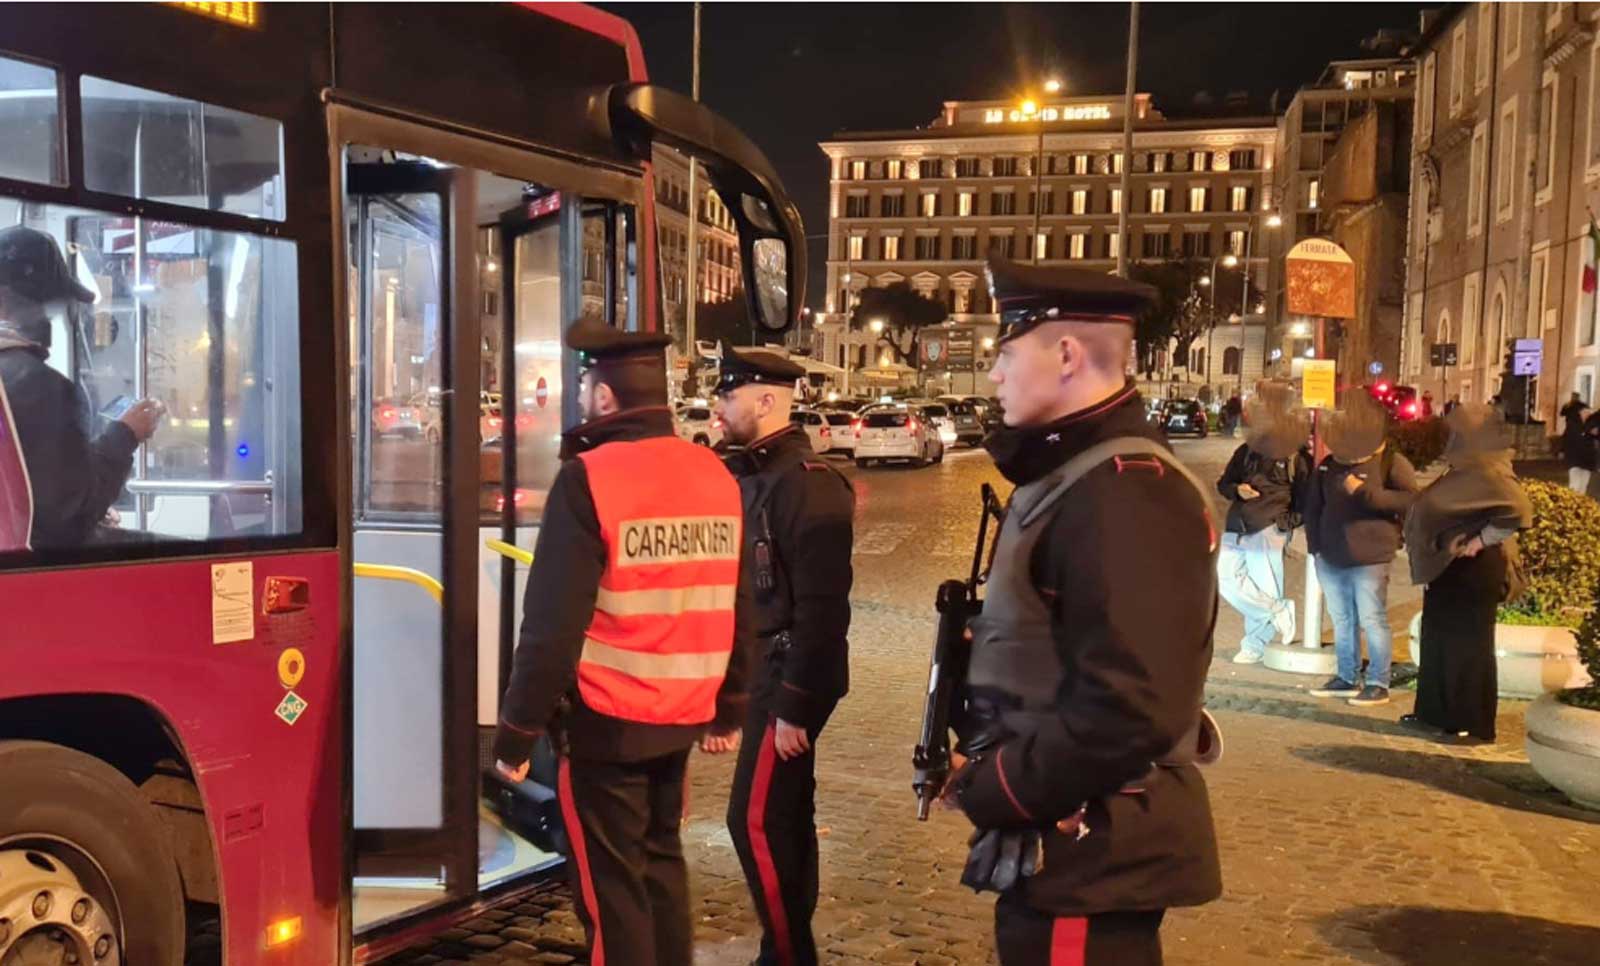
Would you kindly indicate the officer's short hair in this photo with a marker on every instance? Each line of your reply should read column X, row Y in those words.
column 633, row 384
column 1109, row 345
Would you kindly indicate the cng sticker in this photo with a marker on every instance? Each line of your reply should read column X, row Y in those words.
column 291, row 667
column 291, row 708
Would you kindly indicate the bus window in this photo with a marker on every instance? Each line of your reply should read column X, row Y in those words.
column 145, row 144
column 202, row 321
column 31, row 149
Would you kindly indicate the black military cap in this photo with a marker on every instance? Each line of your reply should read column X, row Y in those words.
column 1029, row 295
column 31, row 265
column 740, row 367
column 602, row 343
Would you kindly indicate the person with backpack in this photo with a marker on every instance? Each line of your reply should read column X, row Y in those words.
column 1354, row 503
column 1263, row 511
column 1082, row 721
column 798, row 514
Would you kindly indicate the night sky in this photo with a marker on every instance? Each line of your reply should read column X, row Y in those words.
column 792, row 74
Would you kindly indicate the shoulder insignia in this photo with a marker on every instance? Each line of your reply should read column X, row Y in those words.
column 1147, row 464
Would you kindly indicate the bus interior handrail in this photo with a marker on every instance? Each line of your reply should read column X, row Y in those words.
column 406, row 575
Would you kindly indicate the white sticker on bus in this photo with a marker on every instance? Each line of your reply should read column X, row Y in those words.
column 233, row 616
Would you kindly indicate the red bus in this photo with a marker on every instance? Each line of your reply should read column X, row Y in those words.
column 244, row 697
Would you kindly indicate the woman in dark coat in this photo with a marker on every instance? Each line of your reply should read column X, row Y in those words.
column 1577, row 446
column 1461, row 535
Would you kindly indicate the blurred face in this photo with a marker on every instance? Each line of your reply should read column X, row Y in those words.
column 1030, row 373
column 742, row 410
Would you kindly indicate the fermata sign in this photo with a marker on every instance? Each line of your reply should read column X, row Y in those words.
column 1321, row 280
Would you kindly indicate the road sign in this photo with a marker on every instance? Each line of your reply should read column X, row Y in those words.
column 1442, row 354
column 1318, row 388
column 1321, row 280
column 541, row 392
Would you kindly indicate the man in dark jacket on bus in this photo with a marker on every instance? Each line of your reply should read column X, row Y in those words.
column 75, row 477
column 1355, row 506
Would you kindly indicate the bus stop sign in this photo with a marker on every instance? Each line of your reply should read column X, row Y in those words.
column 1321, row 279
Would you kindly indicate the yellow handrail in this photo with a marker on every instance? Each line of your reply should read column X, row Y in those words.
column 402, row 574
column 508, row 550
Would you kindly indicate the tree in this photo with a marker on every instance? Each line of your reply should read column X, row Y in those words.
column 1186, row 307
column 904, row 313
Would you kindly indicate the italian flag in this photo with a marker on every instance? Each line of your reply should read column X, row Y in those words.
column 1594, row 257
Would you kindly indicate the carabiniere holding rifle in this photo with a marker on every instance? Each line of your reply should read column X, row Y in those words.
column 1081, row 712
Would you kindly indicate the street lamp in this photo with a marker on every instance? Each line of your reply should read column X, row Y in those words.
column 876, row 325
column 1031, row 108
column 988, row 343
column 1274, row 221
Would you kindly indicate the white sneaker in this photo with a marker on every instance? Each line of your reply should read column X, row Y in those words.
column 1284, row 621
column 1248, row 657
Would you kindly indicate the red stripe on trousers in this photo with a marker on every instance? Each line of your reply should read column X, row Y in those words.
column 1069, row 939
column 580, row 855
column 759, row 849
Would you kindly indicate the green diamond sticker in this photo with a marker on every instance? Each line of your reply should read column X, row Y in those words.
column 291, row 708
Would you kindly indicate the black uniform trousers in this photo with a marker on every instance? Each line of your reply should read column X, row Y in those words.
column 630, row 884
column 1028, row 937
column 772, row 819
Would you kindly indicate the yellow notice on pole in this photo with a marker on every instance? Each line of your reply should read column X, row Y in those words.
column 1317, row 384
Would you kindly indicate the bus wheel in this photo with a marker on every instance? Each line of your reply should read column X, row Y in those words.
column 86, row 871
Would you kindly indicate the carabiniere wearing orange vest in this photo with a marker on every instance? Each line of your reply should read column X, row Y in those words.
column 633, row 645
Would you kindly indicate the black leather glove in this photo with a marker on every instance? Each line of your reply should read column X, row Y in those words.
column 998, row 860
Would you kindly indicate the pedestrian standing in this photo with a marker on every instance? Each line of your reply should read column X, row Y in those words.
column 797, row 521
column 1355, row 502
column 635, row 616
column 1461, row 539
column 1260, row 484
column 1089, row 659
column 1233, row 410
column 1427, row 404
column 1577, row 448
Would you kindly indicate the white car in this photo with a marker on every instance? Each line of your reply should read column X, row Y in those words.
column 843, row 426
column 942, row 418
column 698, row 424
column 816, row 427
column 897, row 432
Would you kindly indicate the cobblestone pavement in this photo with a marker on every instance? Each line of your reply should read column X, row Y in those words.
column 1343, row 839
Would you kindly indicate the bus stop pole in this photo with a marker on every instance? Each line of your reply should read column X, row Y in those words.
column 1311, row 623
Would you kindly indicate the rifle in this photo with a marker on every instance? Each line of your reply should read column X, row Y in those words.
column 957, row 603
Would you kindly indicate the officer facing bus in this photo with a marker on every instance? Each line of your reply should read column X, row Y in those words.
column 797, row 521
column 1089, row 658
column 630, row 616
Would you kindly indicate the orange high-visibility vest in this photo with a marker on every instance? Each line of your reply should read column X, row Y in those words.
column 659, row 643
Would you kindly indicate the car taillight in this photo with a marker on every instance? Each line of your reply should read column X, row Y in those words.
column 914, row 426
column 519, row 498
column 855, row 428
column 826, row 431
column 1411, row 409
column 494, row 422
column 386, row 413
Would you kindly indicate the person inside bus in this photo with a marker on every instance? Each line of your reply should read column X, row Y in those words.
column 74, row 477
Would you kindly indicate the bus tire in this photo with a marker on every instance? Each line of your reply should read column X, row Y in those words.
column 119, row 849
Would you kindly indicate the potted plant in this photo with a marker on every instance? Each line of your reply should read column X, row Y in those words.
column 1563, row 741
column 1535, row 643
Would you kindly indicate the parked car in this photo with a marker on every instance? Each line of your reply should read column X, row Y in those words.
column 391, row 417
column 816, row 427
column 698, row 424
column 943, row 420
column 842, row 424
column 968, row 422
column 897, row 431
column 1183, row 417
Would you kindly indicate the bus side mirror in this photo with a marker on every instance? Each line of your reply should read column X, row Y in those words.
column 771, row 234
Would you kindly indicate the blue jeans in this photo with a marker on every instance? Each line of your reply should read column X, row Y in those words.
column 1250, row 579
column 1358, row 600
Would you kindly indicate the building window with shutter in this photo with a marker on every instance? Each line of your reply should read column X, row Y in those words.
column 1113, row 245
column 891, row 248
column 1313, row 192
column 893, row 206
column 858, row 171
column 966, row 167
column 964, row 203
column 1116, row 163
column 1115, row 199
column 1239, row 198
column 1505, row 188
column 893, row 168
column 1043, row 204
column 1236, row 242
column 1244, row 159
column 927, row 248
column 1475, row 178
column 858, row 247
column 964, row 247
column 1003, row 244
column 1005, row 167
column 1003, row 203
column 1197, row 244
column 929, row 204
column 1158, row 201
column 1080, row 164
column 1157, row 244
column 1200, row 160
column 855, row 206
column 930, row 168
column 1197, row 199
column 1080, row 201
column 1078, row 245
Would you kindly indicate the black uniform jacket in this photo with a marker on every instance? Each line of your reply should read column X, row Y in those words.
column 808, row 508
column 563, row 583
column 75, row 477
column 1127, row 569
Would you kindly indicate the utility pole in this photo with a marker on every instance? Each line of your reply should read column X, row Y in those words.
column 694, row 204
column 1127, row 141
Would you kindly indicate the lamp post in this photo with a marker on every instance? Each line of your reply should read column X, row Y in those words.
column 1031, row 108
column 1229, row 260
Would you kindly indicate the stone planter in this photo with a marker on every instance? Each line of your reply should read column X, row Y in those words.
column 1530, row 661
column 1537, row 660
column 1564, row 748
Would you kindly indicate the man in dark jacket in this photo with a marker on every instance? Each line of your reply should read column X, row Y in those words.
column 1089, row 660
column 1577, row 448
column 1263, row 510
column 1355, row 505
column 75, row 476
column 797, row 518
column 634, row 644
